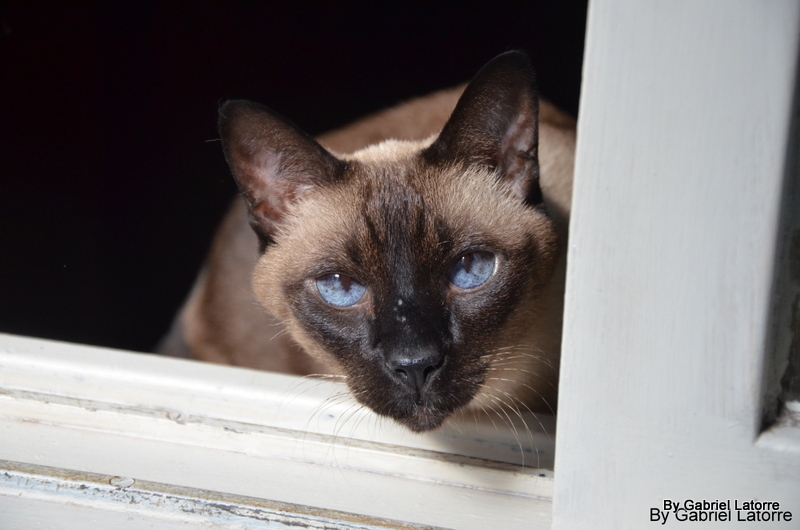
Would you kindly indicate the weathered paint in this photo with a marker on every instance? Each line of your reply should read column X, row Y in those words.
column 121, row 502
column 264, row 436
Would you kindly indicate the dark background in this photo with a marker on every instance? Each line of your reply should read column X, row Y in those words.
column 110, row 182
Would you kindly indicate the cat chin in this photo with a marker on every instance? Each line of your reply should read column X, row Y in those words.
column 424, row 414
column 424, row 419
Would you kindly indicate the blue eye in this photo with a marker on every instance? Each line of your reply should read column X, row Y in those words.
column 340, row 290
column 472, row 270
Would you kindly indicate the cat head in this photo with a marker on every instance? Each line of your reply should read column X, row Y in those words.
column 406, row 266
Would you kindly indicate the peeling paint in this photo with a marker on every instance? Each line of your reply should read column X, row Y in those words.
column 212, row 508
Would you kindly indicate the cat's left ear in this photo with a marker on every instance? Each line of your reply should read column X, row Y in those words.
column 496, row 124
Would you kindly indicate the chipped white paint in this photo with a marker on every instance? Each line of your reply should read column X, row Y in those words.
column 121, row 482
column 40, row 497
column 181, row 423
column 682, row 153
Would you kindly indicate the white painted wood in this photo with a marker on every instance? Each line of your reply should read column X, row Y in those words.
column 682, row 147
column 41, row 497
column 264, row 436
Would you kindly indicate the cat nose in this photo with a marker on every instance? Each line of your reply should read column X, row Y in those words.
column 416, row 367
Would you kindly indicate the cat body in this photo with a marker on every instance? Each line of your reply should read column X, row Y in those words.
column 425, row 267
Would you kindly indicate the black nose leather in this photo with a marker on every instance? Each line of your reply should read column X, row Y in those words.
column 415, row 367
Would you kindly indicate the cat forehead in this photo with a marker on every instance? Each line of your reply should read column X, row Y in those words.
column 391, row 194
column 389, row 152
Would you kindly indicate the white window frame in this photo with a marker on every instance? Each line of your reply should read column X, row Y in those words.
column 682, row 159
column 684, row 153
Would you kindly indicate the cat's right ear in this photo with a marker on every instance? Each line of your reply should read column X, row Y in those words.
column 273, row 162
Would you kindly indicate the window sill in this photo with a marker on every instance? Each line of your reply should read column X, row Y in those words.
column 171, row 423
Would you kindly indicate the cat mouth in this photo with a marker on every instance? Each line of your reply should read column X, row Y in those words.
column 419, row 414
column 423, row 418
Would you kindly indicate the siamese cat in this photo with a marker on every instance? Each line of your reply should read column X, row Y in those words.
column 418, row 253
